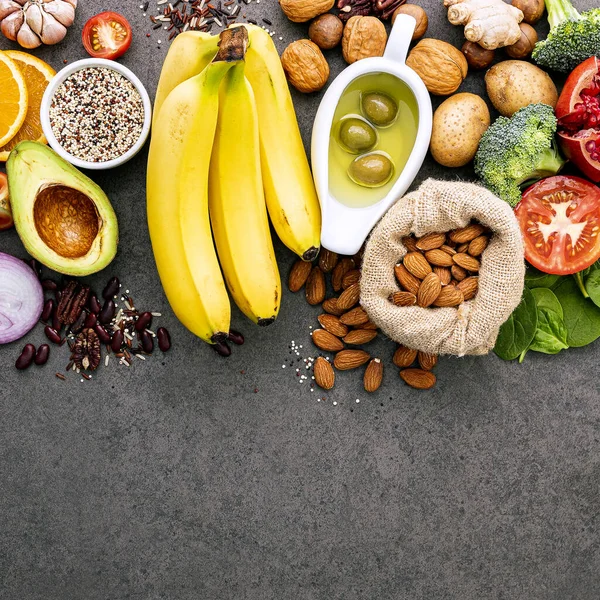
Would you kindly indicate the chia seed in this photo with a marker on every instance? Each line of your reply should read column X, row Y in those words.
column 97, row 114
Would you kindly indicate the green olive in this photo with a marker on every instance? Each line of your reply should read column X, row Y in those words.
column 379, row 108
column 371, row 170
column 356, row 135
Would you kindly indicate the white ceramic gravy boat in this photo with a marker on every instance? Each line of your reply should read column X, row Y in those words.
column 345, row 228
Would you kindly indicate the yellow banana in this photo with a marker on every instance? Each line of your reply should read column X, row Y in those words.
column 177, row 201
column 289, row 188
column 188, row 55
column 237, row 204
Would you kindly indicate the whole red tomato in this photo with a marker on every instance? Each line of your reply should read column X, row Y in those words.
column 578, row 114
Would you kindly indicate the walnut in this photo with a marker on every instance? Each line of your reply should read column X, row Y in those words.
column 441, row 66
column 419, row 15
column 301, row 11
column 305, row 66
column 326, row 31
column 363, row 37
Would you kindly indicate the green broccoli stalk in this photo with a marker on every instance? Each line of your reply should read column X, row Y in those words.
column 572, row 39
column 519, row 151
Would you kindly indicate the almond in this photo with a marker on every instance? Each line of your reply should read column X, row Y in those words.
column 478, row 245
column 458, row 272
column 430, row 289
column 354, row 317
column 410, row 243
column 360, row 336
column 418, row 378
column 350, row 278
column 315, row 287
column 404, row 299
column 466, row 234
column 448, row 249
column 373, row 375
column 431, row 241
column 330, row 306
column 369, row 325
column 449, row 296
column 407, row 280
column 444, row 274
column 345, row 265
column 326, row 341
column 427, row 361
column 469, row 287
column 417, row 264
column 439, row 258
column 349, row 297
column 466, row 262
column 350, row 359
column 324, row 373
column 332, row 324
column 328, row 260
column 298, row 275
column 404, row 357
column 462, row 248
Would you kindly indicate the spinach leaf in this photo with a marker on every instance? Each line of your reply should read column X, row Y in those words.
column 582, row 316
column 551, row 333
column 592, row 285
column 517, row 333
column 537, row 279
column 545, row 298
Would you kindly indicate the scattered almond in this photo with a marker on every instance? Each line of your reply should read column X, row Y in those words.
column 354, row 317
column 324, row 373
column 326, row 341
column 373, row 375
column 417, row 265
column 448, row 249
column 478, row 245
column 418, row 378
column 449, row 296
column 458, row 272
column 404, row 299
column 330, row 306
column 430, row 289
column 349, row 297
column 411, row 243
column 431, row 241
column 350, row 359
column 407, row 280
column 350, row 278
column 343, row 266
column 466, row 234
column 298, row 275
column 444, row 274
column 469, row 287
column 466, row 262
column 404, row 357
column 427, row 361
column 315, row 287
column 369, row 325
column 357, row 337
column 462, row 248
column 333, row 324
column 439, row 258
column 327, row 260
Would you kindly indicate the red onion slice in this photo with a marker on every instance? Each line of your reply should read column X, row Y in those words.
column 21, row 298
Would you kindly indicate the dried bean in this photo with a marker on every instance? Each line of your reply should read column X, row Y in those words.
column 111, row 289
column 49, row 285
column 48, row 309
column 107, row 313
column 236, row 337
column 79, row 323
column 103, row 335
column 42, row 354
column 36, row 269
column 90, row 321
column 52, row 334
column 94, row 304
column 26, row 357
column 164, row 339
column 144, row 321
column 222, row 349
column 56, row 324
column 117, row 340
column 146, row 341
column 57, row 295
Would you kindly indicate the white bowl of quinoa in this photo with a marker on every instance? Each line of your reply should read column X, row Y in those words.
column 96, row 114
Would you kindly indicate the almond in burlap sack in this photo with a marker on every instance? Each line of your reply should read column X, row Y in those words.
column 439, row 206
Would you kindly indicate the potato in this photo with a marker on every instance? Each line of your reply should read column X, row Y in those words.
column 458, row 125
column 513, row 84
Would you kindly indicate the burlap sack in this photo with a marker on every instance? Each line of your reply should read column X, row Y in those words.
column 471, row 328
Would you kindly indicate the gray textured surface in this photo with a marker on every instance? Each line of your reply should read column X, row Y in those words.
column 175, row 480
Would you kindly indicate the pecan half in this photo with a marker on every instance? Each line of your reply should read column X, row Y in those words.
column 86, row 351
column 72, row 301
column 383, row 9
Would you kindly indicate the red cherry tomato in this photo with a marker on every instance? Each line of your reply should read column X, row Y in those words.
column 107, row 35
column 560, row 221
column 6, row 219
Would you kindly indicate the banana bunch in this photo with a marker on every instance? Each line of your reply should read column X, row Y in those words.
column 224, row 125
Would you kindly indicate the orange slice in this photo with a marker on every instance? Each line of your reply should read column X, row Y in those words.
column 13, row 98
column 37, row 76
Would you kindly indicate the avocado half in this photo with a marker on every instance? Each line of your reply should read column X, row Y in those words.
column 63, row 218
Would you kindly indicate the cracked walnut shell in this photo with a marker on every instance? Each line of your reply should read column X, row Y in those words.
column 441, row 66
column 363, row 37
column 305, row 66
column 300, row 11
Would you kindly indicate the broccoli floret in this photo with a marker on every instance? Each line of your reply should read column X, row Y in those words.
column 518, row 151
column 572, row 39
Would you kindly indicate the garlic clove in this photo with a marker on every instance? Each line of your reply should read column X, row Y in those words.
column 52, row 31
column 8, row 7
column 27, row 38
column 63, row 12
column 33, row 18
column 21, row 2
column 73, row 3
column 10, row 25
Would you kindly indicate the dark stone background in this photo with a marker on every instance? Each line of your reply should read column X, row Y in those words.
column 175, row 480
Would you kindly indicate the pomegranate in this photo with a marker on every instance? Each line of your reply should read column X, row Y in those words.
column 578, row 114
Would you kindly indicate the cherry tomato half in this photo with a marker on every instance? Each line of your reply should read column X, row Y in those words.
column 107, row 35
column 560, row 222
column 6, row 219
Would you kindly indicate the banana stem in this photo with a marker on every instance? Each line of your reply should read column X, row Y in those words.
column 233, row 44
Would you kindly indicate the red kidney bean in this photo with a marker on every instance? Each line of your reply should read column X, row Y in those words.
column 90, row 320
column 144, row 321
column 222, row 349
column 94, row 304
column 164, row 339
column 36, row 269
column 107, row 313
column 57, row 295
column 26, row 357
column 79, row 323
column 56, row 324
column 111, row 289
column 146, row 341
column 117, row 340
column 52, row 334
column 103, row 335
column 48, row 309
column 42, row 354
column 49, row 285
column 236, row 337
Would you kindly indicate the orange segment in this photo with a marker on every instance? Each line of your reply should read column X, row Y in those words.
column 37, row 75
column 13, row 98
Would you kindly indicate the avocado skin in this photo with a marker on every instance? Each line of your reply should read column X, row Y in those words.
column 64, row 219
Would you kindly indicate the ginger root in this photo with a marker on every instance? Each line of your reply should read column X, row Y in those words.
column 490, row 23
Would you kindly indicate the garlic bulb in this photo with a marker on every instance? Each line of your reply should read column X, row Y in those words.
column 35, row 22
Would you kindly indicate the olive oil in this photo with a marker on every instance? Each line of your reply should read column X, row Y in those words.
column 396, row 140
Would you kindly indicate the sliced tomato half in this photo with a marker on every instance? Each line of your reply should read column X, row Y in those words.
column 6, row 219
column 107, row 35
column 560, row 221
